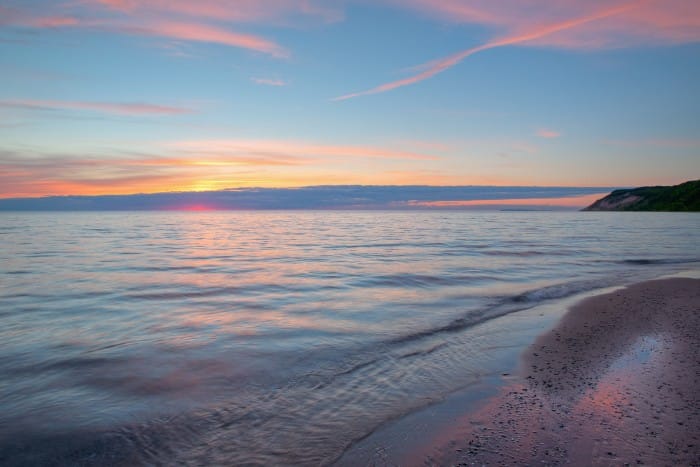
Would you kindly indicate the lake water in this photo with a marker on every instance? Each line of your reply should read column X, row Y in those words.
column 276, row 337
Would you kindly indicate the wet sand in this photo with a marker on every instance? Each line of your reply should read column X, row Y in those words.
column 615, row 382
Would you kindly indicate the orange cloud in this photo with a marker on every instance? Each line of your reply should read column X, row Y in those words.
column 37, row 175
column 189, row 166
column 52, row 175
column 134, row 108
column 566, row 24
column 294, row 149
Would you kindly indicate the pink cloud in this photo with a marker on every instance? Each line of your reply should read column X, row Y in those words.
column 187, row 31
column 205, row 33
column 565, row 24
column 52, row 22
column 645, row 21
column 122, row 5
column 547, row 133
column 17, row 17
column 275, row 11
column 133, row 108
column 438, row 66
column 207, row 21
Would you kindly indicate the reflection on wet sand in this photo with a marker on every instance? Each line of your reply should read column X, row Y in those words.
column 615, row 382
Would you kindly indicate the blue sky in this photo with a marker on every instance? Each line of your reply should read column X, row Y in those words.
column 134, row 96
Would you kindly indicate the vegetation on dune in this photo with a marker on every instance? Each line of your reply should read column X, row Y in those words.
column 683, row 197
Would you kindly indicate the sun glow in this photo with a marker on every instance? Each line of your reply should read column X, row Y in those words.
column 205, row 185
column 195, row 208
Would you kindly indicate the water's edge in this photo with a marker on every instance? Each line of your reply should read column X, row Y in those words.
column 409, row 439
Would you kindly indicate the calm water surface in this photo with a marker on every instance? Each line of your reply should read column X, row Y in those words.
column 275, row 337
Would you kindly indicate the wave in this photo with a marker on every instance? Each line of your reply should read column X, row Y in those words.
column 501, row 306
column 558, row 291
column 418, row 280
column 527, row 253
column 649, row 261
column 422, row 353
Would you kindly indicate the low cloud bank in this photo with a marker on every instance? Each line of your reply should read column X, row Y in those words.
column 316, row 197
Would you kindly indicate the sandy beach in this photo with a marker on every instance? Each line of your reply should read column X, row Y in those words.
column 615, row 382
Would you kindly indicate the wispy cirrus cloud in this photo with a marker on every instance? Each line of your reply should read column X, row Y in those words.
column 641, row 22
column 20, row 17
column 678, row 143
column 119, row 108
column 180, row 30
column 204, row 21
column 25, row 173
column 36, row 173
column 269, row 81
column 240, row 11
column 294, row 149
column 570, row 24
column 438, row 66
column 183, row 165
column 198, row 32
column 52, row 22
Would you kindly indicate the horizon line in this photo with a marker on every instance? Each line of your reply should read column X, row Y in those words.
column 270, row 188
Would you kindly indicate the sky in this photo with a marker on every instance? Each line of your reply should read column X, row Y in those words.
column 143, row 96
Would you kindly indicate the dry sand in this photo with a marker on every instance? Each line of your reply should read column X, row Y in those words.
column 616, row 382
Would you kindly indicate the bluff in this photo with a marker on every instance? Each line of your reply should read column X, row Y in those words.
column 683, row 197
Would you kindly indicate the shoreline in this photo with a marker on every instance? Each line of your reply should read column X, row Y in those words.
column 612, row 381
